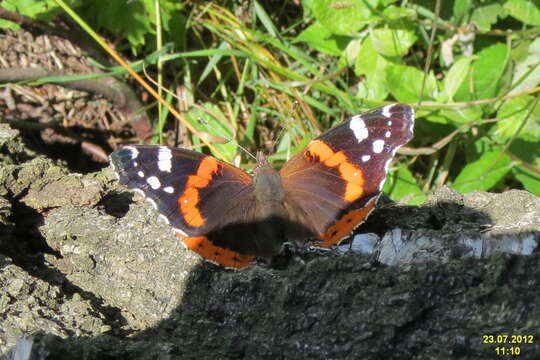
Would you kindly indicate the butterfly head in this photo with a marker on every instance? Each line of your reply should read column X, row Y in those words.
column 267, row 181
column 262, row 160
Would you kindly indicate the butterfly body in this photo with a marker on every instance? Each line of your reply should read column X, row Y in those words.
column 319, row 196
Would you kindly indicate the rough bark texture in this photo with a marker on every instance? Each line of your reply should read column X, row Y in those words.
column 88, row 271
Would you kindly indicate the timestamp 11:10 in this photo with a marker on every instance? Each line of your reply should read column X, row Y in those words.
column 507, row 350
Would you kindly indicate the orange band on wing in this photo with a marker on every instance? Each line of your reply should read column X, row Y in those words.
column 345, row 225
column 218, row 254
column 352, row 175
column 189, row 200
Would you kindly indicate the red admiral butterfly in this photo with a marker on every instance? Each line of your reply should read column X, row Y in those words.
column 322, row 194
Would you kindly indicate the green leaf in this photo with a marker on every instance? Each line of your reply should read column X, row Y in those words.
column 44, row 10
column 530, row 180
column 455, row 76
column 462, row 115
column 319, row 38
column 131, row 19
column 461, row 8
column 527, row 11
column 405, row 83
column 393, row 12
column 344, row 17
column 4, row 24
column 350, row 55
column 373, row 66
column 528, row 152
column 484, row 173
column 265, row 19
column 385, row 3
column 30, row 8
column 213, row 122
column 308, row 7
column 485, row 16
column 401, row 185
column 527, row 71
column 487, row 71
column 372, row 87
column 511, row 116
column 393, row 40
column 368, row 60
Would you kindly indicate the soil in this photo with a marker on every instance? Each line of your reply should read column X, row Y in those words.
column 87, row 270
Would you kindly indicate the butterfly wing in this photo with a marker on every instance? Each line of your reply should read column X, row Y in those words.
column 206, row 200
column 334, row 183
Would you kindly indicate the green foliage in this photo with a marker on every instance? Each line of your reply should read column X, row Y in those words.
column 323, row 40
column 401, row 185
column 407, row 84
column 484, row 80
column 526, row 11
column 486, row 16
column 516, row 119
column 211, row 120
column 484, row 173
column 344, row 17
column 455, row 76
column 283, row 75
column 133, row 20
column 43, row 10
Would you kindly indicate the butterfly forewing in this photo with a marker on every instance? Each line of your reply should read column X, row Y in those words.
column 186, row 186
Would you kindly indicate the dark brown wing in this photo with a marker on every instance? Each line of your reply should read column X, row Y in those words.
column 334, row 183
column 209, row 202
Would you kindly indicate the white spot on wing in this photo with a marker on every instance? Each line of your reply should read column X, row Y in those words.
column 411, row 128
column 365, row 158
column 133, row 151
column 164, row 159
column 153, row 182
column 386, row 167
column 389, row 122
column 378, row 146
column 140, row 173
column 386, row 110
column 358, row 126
column 387, row 134
column 168, row 189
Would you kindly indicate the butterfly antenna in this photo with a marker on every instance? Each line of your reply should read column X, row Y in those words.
column 245, row 150
column 209, row 126
column 276, row 141
column 280, row 134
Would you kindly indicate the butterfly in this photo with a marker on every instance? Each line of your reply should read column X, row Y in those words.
column 232, row 218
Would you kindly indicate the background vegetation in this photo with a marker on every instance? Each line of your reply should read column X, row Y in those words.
column 273, row 75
